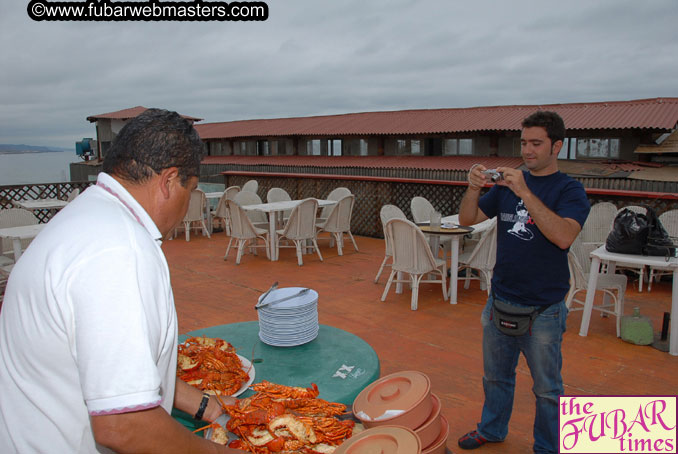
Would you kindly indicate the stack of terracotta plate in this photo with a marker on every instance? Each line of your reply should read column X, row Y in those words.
column 404, row 399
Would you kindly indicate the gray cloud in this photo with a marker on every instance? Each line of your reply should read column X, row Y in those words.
column 317, row 57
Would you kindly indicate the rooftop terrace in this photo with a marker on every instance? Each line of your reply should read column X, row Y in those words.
column 439, row 339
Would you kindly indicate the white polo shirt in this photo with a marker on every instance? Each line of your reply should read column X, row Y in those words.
column 88, row 325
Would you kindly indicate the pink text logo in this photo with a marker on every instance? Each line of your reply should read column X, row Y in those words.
column 618, row 424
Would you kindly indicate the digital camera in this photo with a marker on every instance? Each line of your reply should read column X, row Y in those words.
column 494, row 174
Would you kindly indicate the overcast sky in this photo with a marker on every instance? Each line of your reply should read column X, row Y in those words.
column 315, row 57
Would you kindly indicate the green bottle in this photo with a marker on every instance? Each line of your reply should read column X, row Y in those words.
column 636, row 328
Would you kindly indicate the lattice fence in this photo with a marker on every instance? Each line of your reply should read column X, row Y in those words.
column 372, row 195
column 8, row 194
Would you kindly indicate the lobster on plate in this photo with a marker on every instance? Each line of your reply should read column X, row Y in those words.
column 210, row 365
column 285, row 419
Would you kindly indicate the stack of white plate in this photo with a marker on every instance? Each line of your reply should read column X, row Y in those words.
column 290, row 322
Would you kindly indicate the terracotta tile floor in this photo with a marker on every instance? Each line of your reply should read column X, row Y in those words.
column 440, row 339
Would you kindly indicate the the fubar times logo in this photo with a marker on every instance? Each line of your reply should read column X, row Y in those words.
column 618, row 424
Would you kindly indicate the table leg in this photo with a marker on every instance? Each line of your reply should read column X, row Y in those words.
column 399, row 285
column 208, row 216
column 590, row 295
column 16, row 244
column 272, row 236
column 673, row 339
column 454, row 267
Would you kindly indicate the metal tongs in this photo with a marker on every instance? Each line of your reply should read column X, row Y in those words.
column 299, row 293
column 263, row 297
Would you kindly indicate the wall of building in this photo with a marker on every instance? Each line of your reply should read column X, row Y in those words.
column 503, row 145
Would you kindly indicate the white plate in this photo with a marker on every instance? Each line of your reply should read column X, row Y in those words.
column 248, row 367
column 221, row 420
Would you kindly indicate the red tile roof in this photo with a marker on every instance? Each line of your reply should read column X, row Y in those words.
column 126, row 114
column 655, row 113
column 384, row 162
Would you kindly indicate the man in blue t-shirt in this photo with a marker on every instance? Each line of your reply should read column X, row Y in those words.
column 539, row 214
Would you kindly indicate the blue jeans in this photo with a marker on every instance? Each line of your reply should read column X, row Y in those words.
column 500, row 358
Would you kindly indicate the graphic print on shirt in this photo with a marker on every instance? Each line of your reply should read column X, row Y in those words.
column 520, row 219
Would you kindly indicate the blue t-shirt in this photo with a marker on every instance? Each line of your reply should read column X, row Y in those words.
column 530, row 269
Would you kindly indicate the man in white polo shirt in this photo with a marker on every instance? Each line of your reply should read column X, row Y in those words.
column 88, row 328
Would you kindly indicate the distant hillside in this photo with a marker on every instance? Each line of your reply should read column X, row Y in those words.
column 12, row 149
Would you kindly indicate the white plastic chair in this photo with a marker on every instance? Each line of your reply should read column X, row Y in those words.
column 279, row 195
column 421, row 212
column 336, row 194
column 339, row 223
column 387, row 213
column 243, row 231
column 196, row 213
column 481, row 258
column 579, row 262
column 251, row 185
column 244, row 198
column 221, row 212
column 669, row 220
column 638, row 269
column 412, row 255
column 599, row 223
column 301, row 228
column 14, row 217
column 73, row 194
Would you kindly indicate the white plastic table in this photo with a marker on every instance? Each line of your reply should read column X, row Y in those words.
column 40, row 204
column 454, row 260
column 16, row 234
column 454, row 252
column 601, row 254
column 208, row 207
column 273, row 209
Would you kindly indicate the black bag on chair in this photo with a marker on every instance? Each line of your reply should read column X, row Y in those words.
column 658, row 240
column 639, row 234
column 629, row 233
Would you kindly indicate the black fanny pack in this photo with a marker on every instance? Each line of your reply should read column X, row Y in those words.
column 514, row 320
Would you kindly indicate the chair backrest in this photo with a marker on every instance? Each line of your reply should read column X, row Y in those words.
column 222, row 206
column 387, row 213
column 251, row 185
column 244, row 198
column 15, row 217
column 484, row 254
column 277, row 195
column 335, row 194
column 411, row 251
column 231, row 191
column 301, row 224
column 599, row 223
column 196, row 206
column 421, row 209
column 241, row 225
column 73, row 194
column 582, row 253
column 340, row 217
column 669, row 220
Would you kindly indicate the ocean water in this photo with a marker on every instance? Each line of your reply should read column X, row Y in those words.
column 22, row 168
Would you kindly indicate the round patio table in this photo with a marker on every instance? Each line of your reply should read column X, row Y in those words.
column 340, row 363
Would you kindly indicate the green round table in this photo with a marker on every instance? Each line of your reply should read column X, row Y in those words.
column 340, row 363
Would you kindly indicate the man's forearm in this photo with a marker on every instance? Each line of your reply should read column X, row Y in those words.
column 187, row 398
column 560, row 231
column 469, row 213
column 151, row 431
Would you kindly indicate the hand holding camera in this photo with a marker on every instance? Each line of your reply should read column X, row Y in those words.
column 494, row 174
